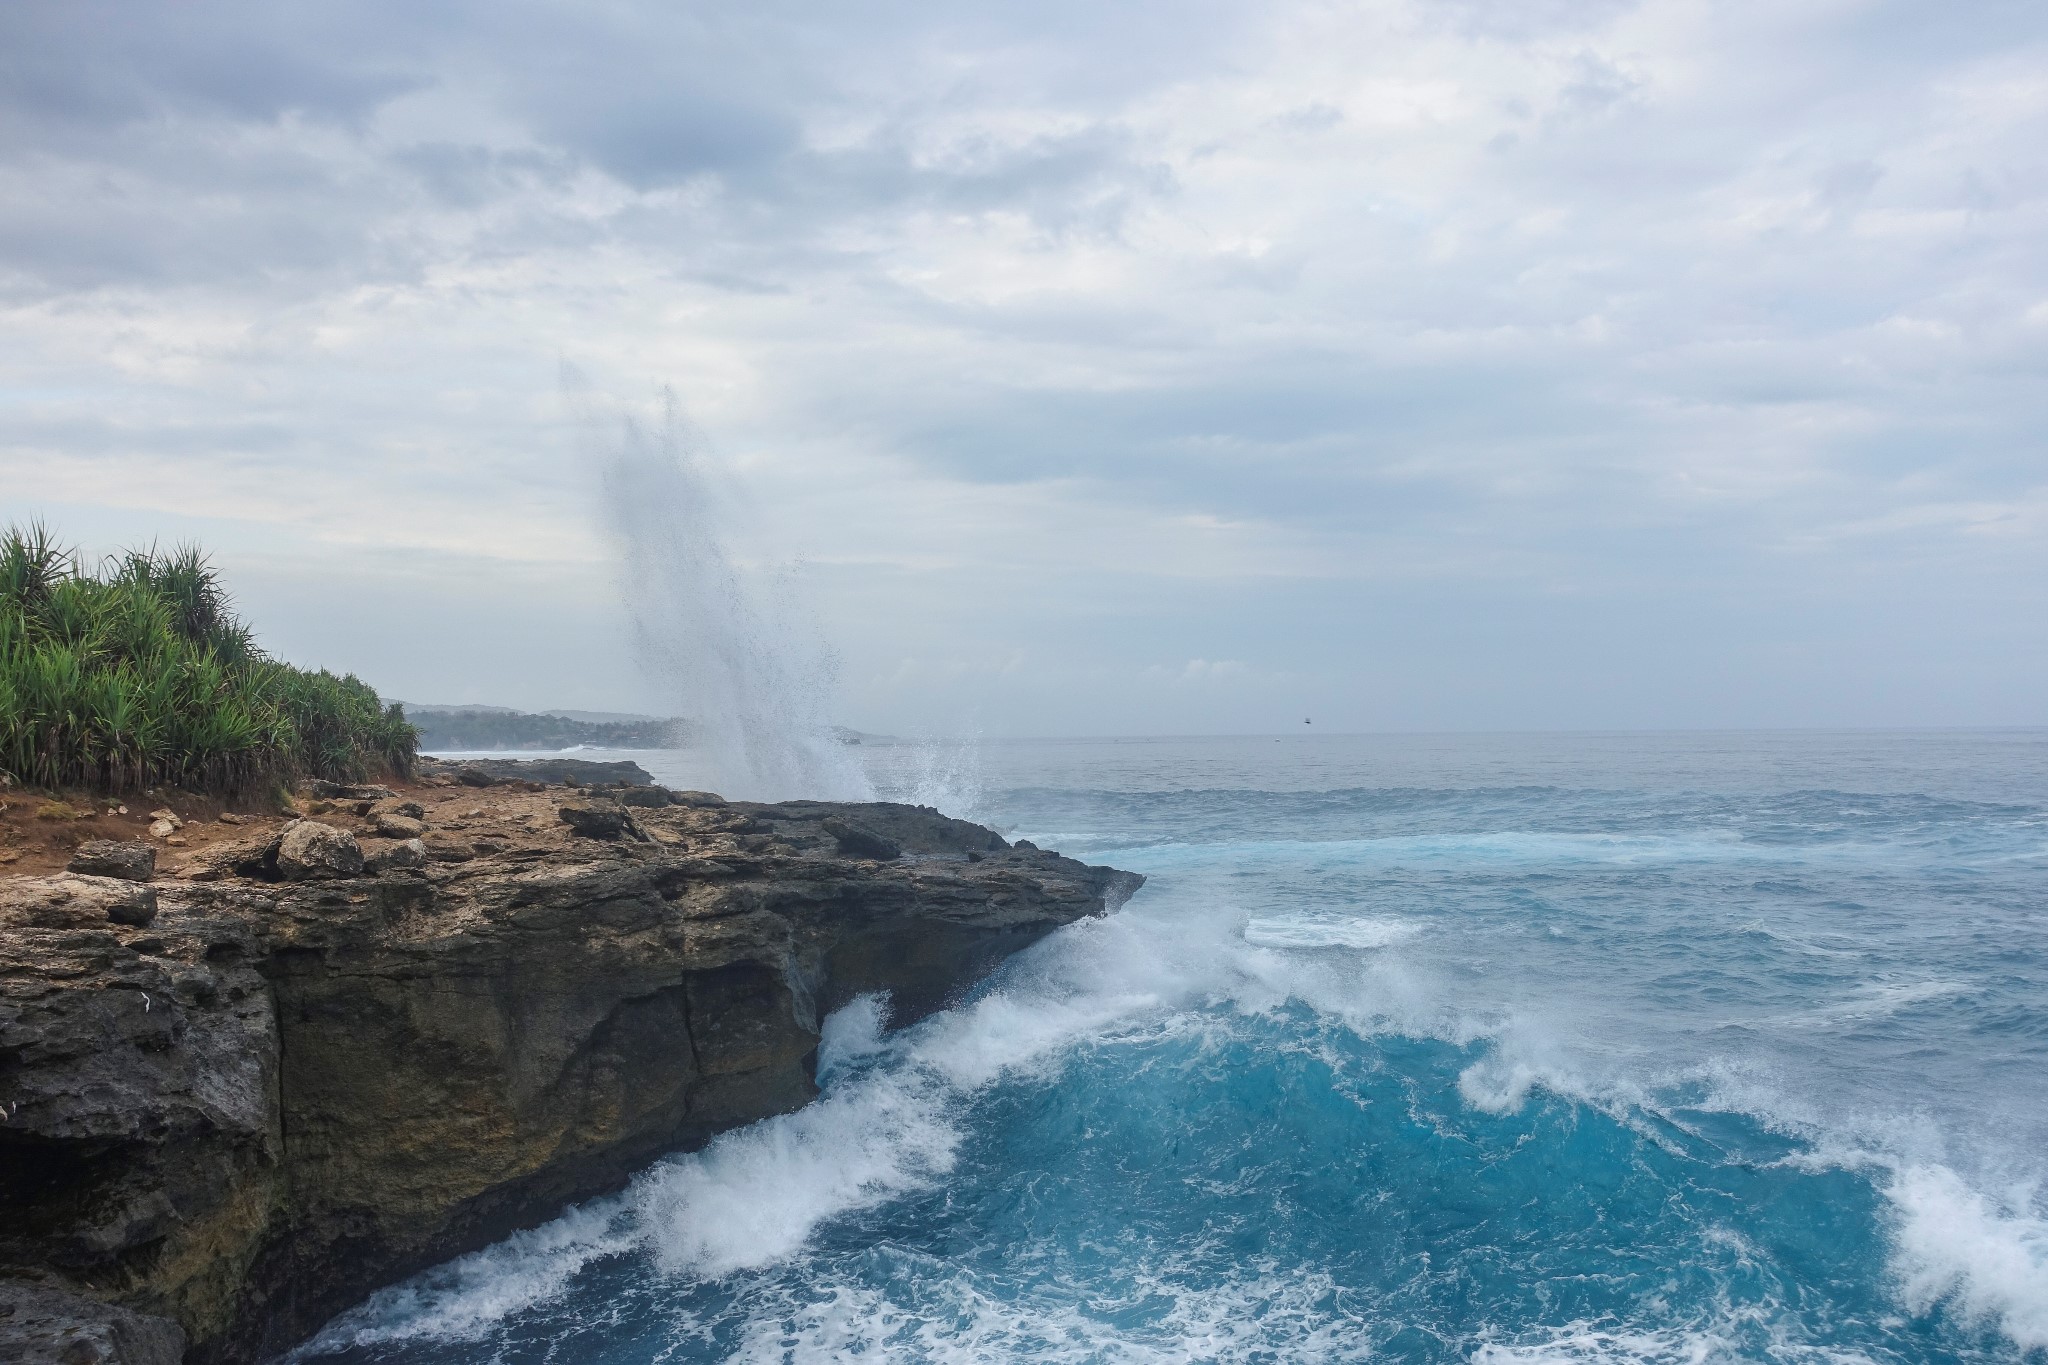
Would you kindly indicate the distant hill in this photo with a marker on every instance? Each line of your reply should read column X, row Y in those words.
column 501, row 727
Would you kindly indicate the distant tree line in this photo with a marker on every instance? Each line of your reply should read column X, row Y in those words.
column 495, row 729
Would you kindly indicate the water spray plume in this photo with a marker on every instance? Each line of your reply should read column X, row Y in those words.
column 728, row 652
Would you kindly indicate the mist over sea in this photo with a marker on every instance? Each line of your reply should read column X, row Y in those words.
column 1581, row 1048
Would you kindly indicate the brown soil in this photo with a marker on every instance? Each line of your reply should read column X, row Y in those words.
column 39, row 830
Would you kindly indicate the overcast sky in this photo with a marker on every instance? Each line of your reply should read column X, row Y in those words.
column 1103, row 368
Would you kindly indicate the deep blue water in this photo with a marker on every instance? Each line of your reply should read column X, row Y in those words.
column 1499, row 1048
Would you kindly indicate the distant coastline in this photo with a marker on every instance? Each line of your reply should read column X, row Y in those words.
column 474, row 728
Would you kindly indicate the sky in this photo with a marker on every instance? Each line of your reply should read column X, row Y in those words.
column 1065, row 368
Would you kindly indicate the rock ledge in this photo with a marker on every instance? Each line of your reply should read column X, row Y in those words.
column 321, row 1058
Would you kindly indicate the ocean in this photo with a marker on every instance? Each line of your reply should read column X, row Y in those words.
column 1494, row 1048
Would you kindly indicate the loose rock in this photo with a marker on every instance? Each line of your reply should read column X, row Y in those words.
column 391, row 857
column 131, row 861
column 311, row 851
column 251, row 855
column 394, row 826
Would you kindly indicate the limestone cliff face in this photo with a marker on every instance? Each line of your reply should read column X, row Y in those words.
column 238, row 1118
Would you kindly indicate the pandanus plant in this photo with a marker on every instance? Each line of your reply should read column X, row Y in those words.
column 140, row 675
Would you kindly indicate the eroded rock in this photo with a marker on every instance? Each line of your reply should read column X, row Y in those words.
column 249, row 855
column 311, row 851
column 858, row 841
column 594, row 819
column 391, row 857
column 391, row 825
column 72, row 901
column 129, row 860
column 42, row 1326
column 286, row 1093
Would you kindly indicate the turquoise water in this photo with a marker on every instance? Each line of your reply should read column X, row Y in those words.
column 1496, row 1048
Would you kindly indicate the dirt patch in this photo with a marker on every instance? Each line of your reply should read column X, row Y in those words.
column 39, row 830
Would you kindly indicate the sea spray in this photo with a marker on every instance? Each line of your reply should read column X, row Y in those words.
column 726, row 644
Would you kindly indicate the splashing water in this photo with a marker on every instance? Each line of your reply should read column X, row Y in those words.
column 1501, row 1058
column 729, row 652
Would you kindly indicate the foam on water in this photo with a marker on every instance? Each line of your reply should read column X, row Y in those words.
column 1324, row 932
column 1304, row 1100
column 1984, row 1257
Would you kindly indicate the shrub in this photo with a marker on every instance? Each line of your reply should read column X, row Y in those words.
column 141, row 674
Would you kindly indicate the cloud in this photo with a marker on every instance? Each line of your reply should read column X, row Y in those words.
column 1105, row 335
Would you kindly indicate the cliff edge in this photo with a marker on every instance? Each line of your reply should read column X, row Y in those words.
column 320, row 1055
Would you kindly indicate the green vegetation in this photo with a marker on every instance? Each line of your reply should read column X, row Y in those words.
column 140, row 675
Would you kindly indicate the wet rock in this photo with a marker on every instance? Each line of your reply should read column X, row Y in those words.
column 858, row 841
column 311, row 851
column 129, row 860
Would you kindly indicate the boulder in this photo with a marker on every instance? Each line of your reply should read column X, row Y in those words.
column 311, row 851
column 699, row 800
column 250, row 855
column 600, row 820
column 391, row 857
column 71, row 901
column 653, row 798
column 392, row 825
column 395, row 807
column 858, row 841
column 129, row 860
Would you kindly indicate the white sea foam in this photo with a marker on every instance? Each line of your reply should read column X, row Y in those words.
column 1260, row 1314
column 1986, row 1259
column 889, row 1123
column 1326, row 932
column 467, row 1297
column 1877, row 999
column 755, row 1196
column 1591, row 1344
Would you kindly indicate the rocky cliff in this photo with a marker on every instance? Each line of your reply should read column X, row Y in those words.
column 326, row 1055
